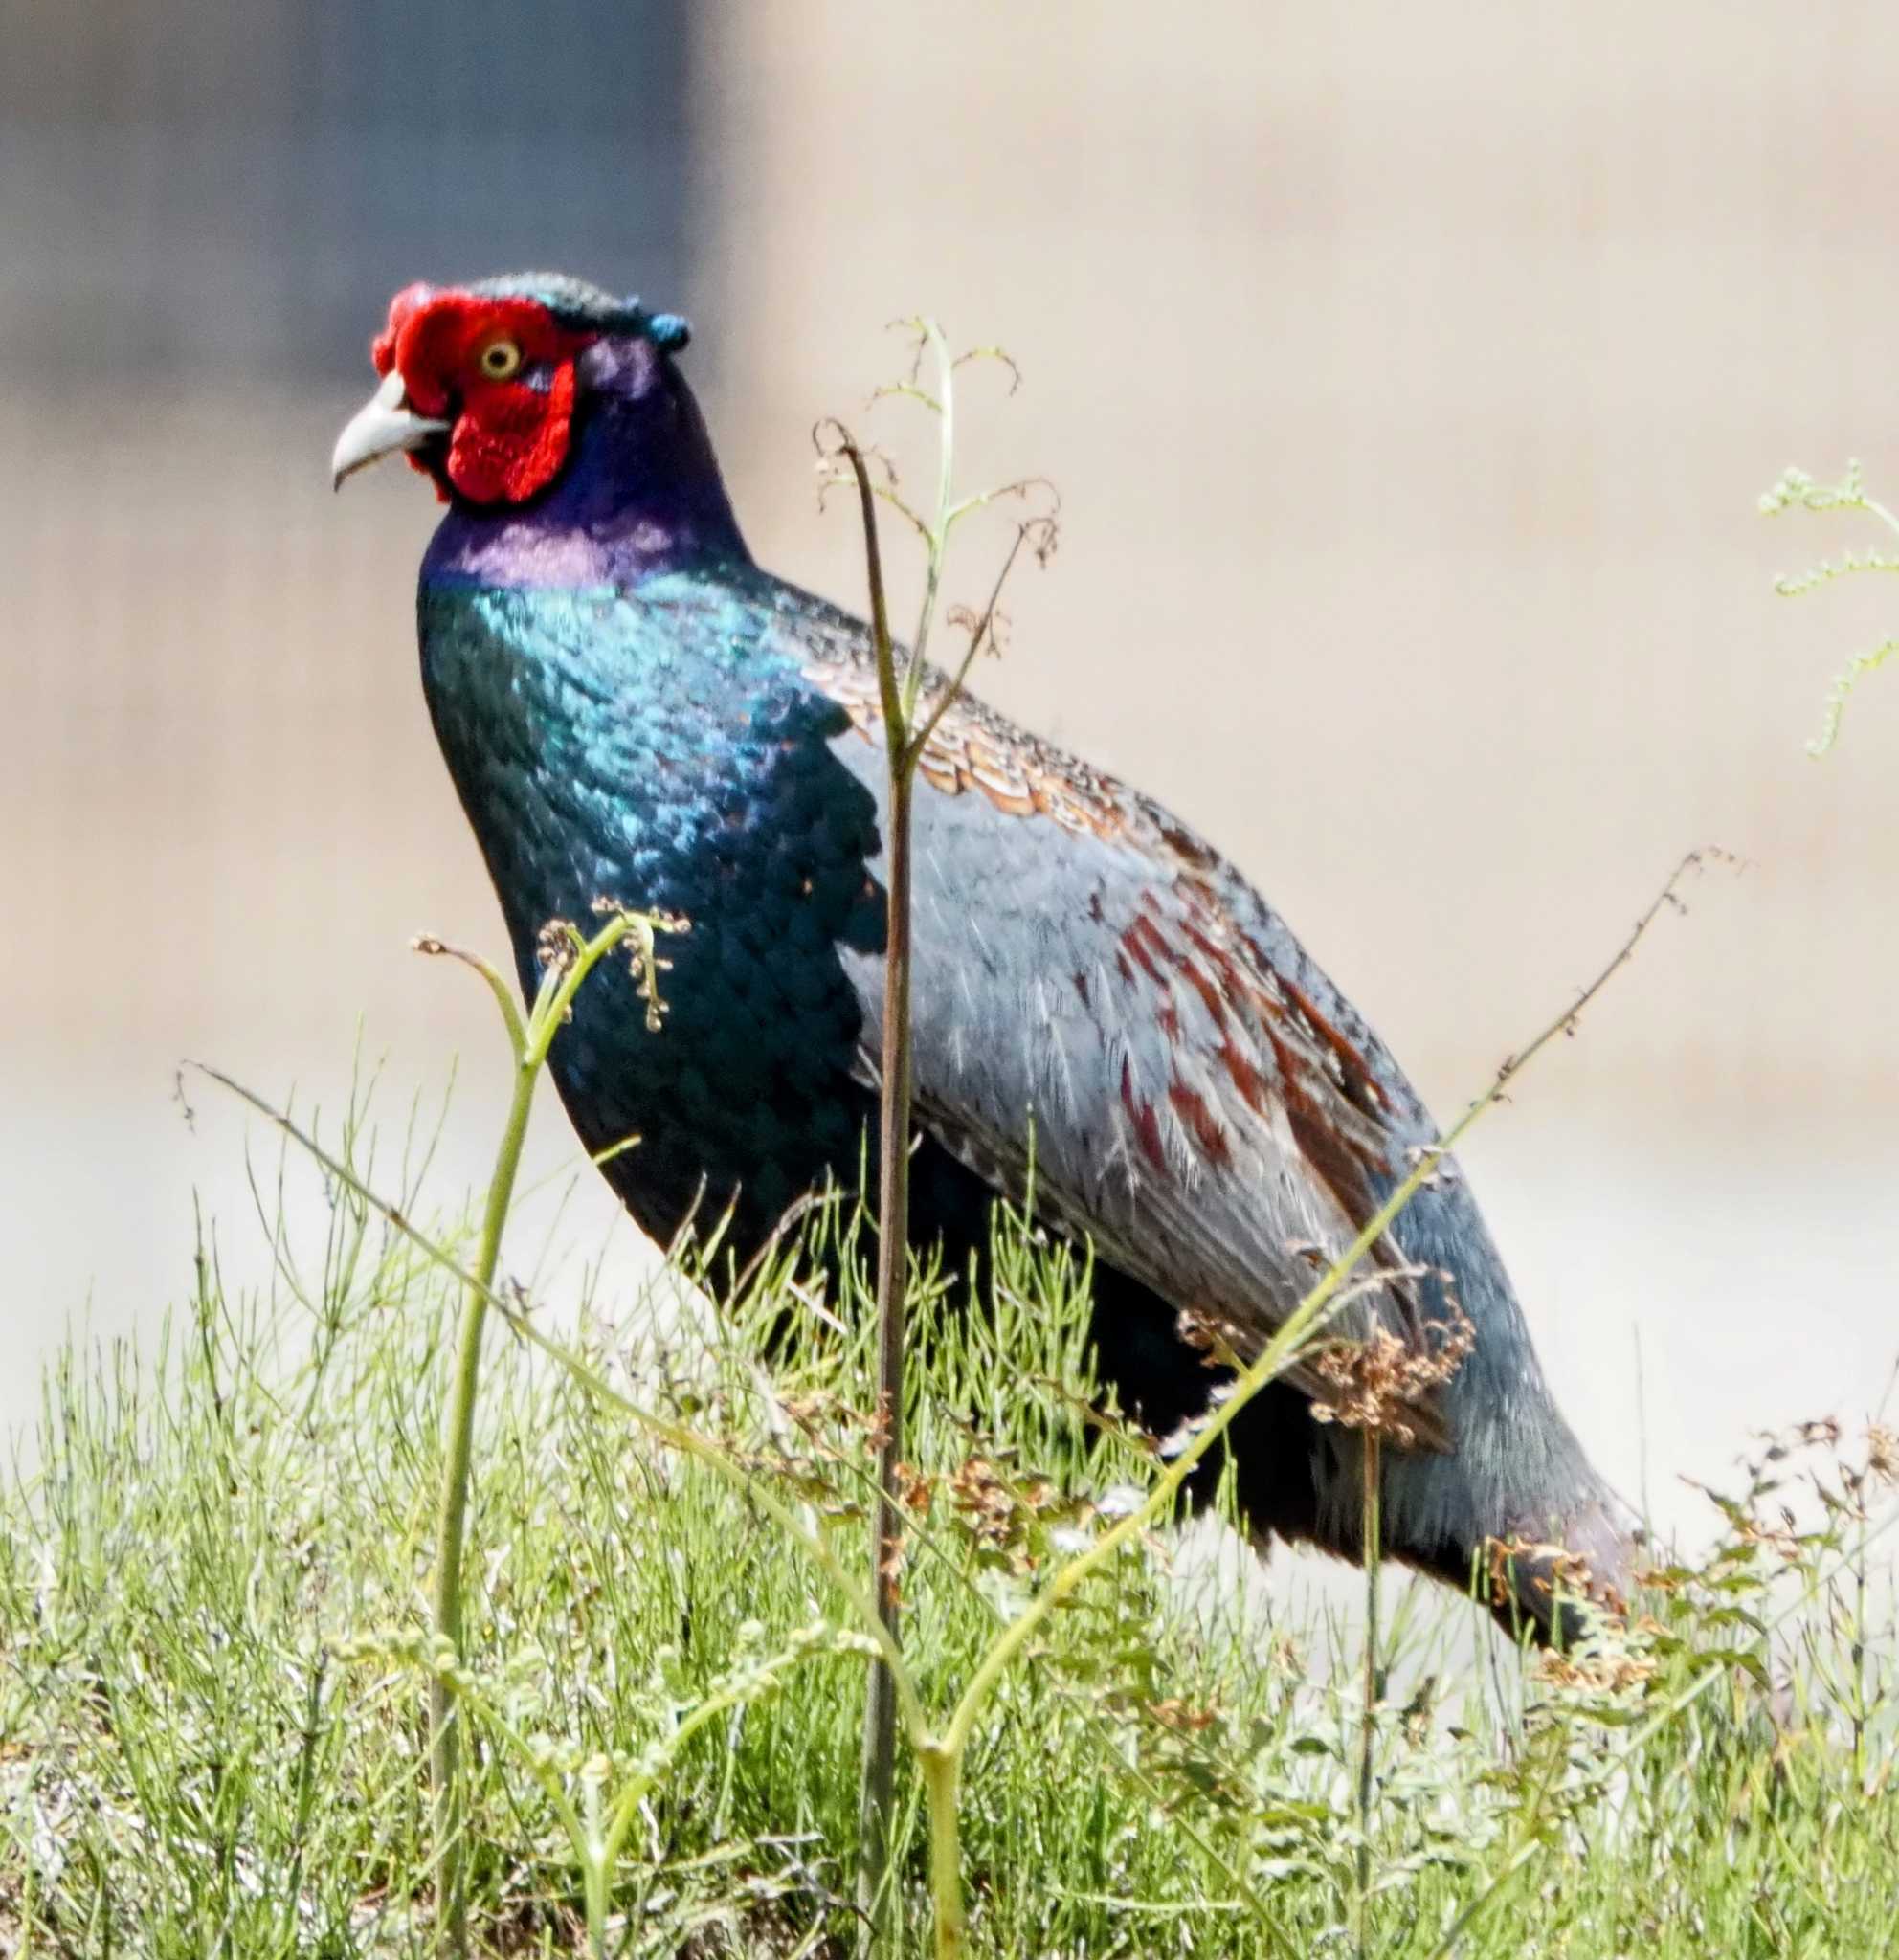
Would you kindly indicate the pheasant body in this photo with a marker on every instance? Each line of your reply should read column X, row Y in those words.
column 633, row 711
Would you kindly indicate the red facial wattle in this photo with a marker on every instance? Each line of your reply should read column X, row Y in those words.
column 510, row 434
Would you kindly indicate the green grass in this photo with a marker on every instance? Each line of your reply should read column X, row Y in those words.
column 214, row 1657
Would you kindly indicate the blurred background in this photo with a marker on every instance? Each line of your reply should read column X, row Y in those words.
column 1410, row 376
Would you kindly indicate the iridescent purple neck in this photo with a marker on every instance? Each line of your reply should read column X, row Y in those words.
column 640, row 494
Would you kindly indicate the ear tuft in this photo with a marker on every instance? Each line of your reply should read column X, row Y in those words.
column 669, row 332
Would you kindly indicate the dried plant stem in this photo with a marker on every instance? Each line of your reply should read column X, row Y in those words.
column 904, row 741
column 879, row 1801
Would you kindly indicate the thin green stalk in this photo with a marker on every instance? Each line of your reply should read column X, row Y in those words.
column 938, row 537
column 307, row 1778
column 1858, row 1654
column 941, row 1770
column 898, row 695
column 595, row 1869
column 1368, row 1535
column 627, row 1806
column 530, row 1043
column 452, row 1518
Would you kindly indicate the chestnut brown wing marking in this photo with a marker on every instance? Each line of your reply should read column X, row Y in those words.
column 1276, row 1051
column 972, row 748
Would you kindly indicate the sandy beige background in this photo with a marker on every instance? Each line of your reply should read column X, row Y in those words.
column 1410, row 376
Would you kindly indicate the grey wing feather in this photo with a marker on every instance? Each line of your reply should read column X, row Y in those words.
column 1099, row 989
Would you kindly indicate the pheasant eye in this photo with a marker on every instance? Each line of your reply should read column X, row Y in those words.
column 501, row 360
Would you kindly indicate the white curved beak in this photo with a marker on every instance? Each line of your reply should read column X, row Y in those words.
column 383, row 425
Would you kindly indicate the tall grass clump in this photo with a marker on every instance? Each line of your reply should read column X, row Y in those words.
column 214, row 1619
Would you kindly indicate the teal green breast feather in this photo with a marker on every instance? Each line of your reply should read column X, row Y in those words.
column 662, row 749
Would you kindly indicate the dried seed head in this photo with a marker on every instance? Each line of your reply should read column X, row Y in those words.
column 1554, row 1566
column 1617, row 1671
column 1379, row 1383
column 557, row 946
column 1184, row 1717
column 914, row 1488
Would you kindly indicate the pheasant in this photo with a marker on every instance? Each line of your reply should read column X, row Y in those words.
column 631, row 707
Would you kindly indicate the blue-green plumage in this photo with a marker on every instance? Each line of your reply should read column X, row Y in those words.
column 633, row 711
column 660, row 748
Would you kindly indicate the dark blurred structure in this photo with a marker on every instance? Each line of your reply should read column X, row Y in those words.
column 235, row 187
column 211, row 736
